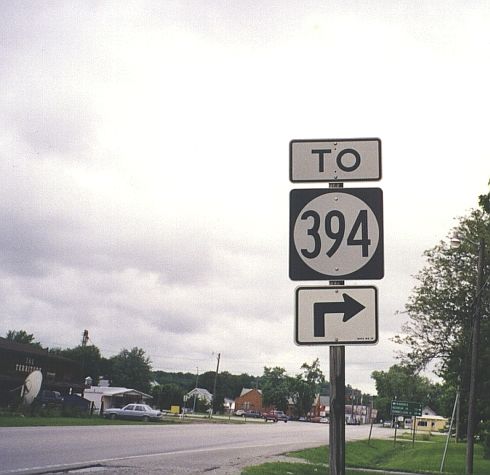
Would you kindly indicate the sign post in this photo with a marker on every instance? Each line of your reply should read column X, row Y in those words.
column 337, row 411
column 336, row 234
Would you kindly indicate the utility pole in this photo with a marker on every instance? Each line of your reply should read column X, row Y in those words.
column 85, row 338
column 214, row 386
column 195, row 392
column 475, row 340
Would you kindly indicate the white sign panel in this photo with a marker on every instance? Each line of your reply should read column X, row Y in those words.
column 332, row 160
column 346, row 315
column 336, row 234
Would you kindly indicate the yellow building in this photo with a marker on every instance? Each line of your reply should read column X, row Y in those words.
column 430, row 423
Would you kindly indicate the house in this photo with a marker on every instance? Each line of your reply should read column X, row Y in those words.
column 201, row 394
column 354, row 413
column 357, row 414
column 228, row 405
column 249, row 400
column 18, row 360
column 321, row 406
column 430, row 423
column 105, row 397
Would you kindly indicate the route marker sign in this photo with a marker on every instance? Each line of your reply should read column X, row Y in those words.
column 330, row 160
column 336, row 234
column 344, row 315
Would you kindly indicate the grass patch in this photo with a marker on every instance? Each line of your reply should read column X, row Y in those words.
column 38, row 421
column 423, row 458
column 19, row 420
column 284, row 468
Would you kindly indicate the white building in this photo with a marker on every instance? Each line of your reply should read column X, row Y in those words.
column 105, row 397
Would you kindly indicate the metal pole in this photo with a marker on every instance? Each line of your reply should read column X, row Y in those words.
column 449, row 432
column 214, row 386
column 474, row 362
column 413, row 430
column 337, row 411
column 458, row 407
column 370, row 430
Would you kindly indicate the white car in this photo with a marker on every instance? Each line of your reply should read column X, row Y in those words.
column 141, row 412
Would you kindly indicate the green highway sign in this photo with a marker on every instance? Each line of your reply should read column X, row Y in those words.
column 406, row 408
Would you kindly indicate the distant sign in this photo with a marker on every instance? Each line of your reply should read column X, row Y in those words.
column 406, row 408
column 330, row 160
column 336, row 234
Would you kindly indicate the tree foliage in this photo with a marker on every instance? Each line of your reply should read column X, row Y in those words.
column 89, row 358
column 402, row 383
column 132, row 369
column 305, row 386
column 442, row 307
column 276, row 388
column 167, row 395
column 21, row 336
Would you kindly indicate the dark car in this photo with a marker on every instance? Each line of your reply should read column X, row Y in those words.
column 47, row 398
column 275, row 416
column 252, row 414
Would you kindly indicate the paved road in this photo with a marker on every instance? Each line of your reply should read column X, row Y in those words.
column 170, row 449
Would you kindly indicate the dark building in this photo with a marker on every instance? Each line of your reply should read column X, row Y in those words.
column 17, row 360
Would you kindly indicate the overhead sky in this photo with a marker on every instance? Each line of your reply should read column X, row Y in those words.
column 144, row 164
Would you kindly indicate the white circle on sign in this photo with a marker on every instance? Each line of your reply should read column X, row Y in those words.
column 336, row 234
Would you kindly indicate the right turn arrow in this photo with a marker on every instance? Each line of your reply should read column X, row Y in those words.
column 349, row 307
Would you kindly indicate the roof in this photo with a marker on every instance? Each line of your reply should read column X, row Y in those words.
column 114, row 391
column 201, row 392
column 247, row 390
column 32, row 349
column 438, row 418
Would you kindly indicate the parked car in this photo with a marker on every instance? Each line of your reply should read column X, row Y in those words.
column 141, row 412
column 47, row 398
column 239, row 412
column 252, row 414
column 275, row 416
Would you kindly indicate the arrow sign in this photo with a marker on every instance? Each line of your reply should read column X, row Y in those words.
column 336, row 315
column 350, row 307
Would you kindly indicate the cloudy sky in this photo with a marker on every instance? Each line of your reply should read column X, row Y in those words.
column 144, row 163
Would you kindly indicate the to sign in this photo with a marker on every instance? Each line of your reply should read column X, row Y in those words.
column 335, row 160
column 406, row 408
column 336, row 234
column 336, row 315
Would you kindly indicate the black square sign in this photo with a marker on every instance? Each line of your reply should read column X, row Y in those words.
column 336, row 234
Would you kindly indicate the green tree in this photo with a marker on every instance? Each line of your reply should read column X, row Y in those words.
column 402, row 383
column 21, row 336
column 89, row 358
column 276, row 388
column 132, row 369
column 442, row 307
column 167, row 395
column 305, row 386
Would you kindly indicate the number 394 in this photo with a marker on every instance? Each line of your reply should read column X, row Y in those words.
column 334, row 227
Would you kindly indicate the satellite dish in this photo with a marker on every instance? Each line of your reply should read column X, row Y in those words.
column 31, row 387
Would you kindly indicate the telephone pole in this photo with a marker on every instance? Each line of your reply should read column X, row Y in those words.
column 215, row 381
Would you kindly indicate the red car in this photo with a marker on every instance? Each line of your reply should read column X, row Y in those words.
column 275, row 416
